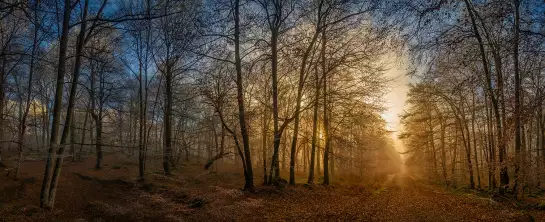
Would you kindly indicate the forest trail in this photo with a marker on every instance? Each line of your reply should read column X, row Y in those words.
column 404, row 198
column 194, row 194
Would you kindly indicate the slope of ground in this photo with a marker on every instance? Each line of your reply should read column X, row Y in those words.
column 193, row 194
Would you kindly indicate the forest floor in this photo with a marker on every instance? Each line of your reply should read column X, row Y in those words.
column 194, row 194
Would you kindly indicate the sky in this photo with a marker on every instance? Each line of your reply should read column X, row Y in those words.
column 396, row 96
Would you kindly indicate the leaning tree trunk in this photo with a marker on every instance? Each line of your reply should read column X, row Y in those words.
column 504, row 178
column 69, row 111
column 45, row 201
column 302, row 78
column 499, row 102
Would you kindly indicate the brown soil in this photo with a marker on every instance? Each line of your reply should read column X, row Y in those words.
column 194, row 194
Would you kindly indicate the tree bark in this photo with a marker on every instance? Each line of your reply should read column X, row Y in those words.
column 143, row 101
column 432, row 143
column 326, row 116
column 69, row 111
column 98, row 145
column 167, row 116
column 518, row 99
column 302, row 78
column 73, row 133
column 249, row 176
column 275, row 171
column 264, row 142
column 83, row 134
column 453, row 165
column 2, row 79
column 45, row 201
column 314, row 127
column 475, row 157
column 504, row 178
column 491, row 147
column 22, row 126
column 467, row 143
column 442, row 145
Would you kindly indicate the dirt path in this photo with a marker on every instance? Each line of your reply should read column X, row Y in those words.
column 404, row 199
column 401, row 198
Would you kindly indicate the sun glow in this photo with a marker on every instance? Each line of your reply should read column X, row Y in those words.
column 395, row 99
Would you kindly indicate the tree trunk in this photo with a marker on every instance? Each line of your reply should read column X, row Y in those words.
column 2, row 78
column 143, row 101
column 264, row 142
column 142, row 124
column 274, row 176
column 98, row 145
column 504, row 178
column 518, row 99
column 467, row 143
column 45, row 200
column 167, row 115
column 302, row 77
column 326, row 120
column 475, row 140
column 453, row 165
column 97, row 118
column 284, row 149
column 314, row 127
column 45, row 122
column 73, row 138
column 502, row 131
column 120, row 141
column 540, row 137
column 491, row 147
column 318, row 162
column 432, row 143
column 442, row 145
column 83, row 134
column 22, row 125
column 249, row 176
column 35, row 123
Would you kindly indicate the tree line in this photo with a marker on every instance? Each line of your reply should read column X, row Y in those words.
column 476, row 114
column 268, row 85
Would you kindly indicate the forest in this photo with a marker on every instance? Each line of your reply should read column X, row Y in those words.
column 272, row 110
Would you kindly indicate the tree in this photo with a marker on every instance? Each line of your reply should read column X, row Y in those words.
column 249, row 176
column 36, row 39
column 480, row 52
column 277, row 12
column 46, row 198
